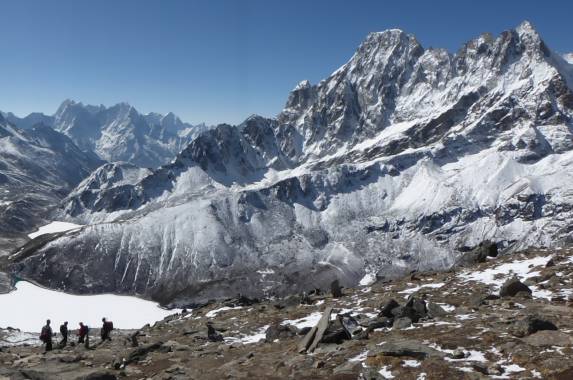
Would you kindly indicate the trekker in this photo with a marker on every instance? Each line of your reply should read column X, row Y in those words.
column 46, row 336
column 84, row 335
column 106, row 328
column 64, row 332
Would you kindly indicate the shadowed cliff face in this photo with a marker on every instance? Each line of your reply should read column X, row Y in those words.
column 399, row 158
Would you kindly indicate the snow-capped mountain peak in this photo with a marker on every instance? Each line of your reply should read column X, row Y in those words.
column 398, row 161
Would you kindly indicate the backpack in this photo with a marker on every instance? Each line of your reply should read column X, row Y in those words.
column 44, row 335
column 109, row 325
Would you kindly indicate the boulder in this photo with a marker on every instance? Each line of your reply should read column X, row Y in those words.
column 337, row 332
column 550, row 263
column 304, row 330
column 336, row 289
column 314, row 336
column 141, row 352
column 378, row 323
column 513, row 286
column 241, row 300
column 278, row 331
column 386, row 308
column 531, row 324
column 548, row 338
column 404, row 311
column 402, row 323
column 213, row 335
column 350, row 324
column 478, row 254
column 418, row 305
column 410, row 348
column 287, row 302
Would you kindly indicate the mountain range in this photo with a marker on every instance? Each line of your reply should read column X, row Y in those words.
column 401, row 160
column 117, row 133
column 43, row 158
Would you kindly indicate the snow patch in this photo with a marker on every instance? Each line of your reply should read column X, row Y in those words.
column 308, row 321
column 249, row 339
column 414, row 290
column 368, row 279
column 54, row 227
column 386, row 373
column 213, row 313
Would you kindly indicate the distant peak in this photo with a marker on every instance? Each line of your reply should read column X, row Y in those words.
column 302, row 85
column 388, row 39
column 387, row 32
column 526, row 27
column 568, row 57
column 68, row 102
column 526, row 30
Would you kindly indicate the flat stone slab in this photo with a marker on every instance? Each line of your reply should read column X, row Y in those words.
column 549, row 338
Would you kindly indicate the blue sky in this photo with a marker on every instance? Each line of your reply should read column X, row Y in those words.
column 220, row 61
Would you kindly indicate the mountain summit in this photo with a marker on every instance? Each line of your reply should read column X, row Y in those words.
column 401, row 160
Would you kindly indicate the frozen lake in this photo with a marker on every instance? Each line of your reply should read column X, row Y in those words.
column 28, row 307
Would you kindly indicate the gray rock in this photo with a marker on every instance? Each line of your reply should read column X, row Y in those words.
column 386, row 308
column 418, row 305
column 278, row 331
column 458, row 354
column 212, row 334
column 402, row 323
column 547, row 338
column 403, row 311
column 379, row 322
column 140, row 353
column 531, row 324
column 513, row 286
column 336, row 289
column 409, row 348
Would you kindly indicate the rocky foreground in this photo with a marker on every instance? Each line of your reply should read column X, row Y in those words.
column 451, row 325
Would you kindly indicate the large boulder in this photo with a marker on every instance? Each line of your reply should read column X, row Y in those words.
column 418, row 305
column 409, row 348
column 513, row 286
column 531, row 324
column 548, row 338
column 478, row 254
column 386, row 308
column 278, row 331
column 402, row 323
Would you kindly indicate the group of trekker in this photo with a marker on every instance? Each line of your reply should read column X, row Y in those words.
column 83, row 334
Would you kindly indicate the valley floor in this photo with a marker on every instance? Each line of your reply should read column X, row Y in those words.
column 473, row 334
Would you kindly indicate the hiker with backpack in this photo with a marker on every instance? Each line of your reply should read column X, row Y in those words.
column 64, row 332
column 84, row 335
column 46, row 336
column 106, row 329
